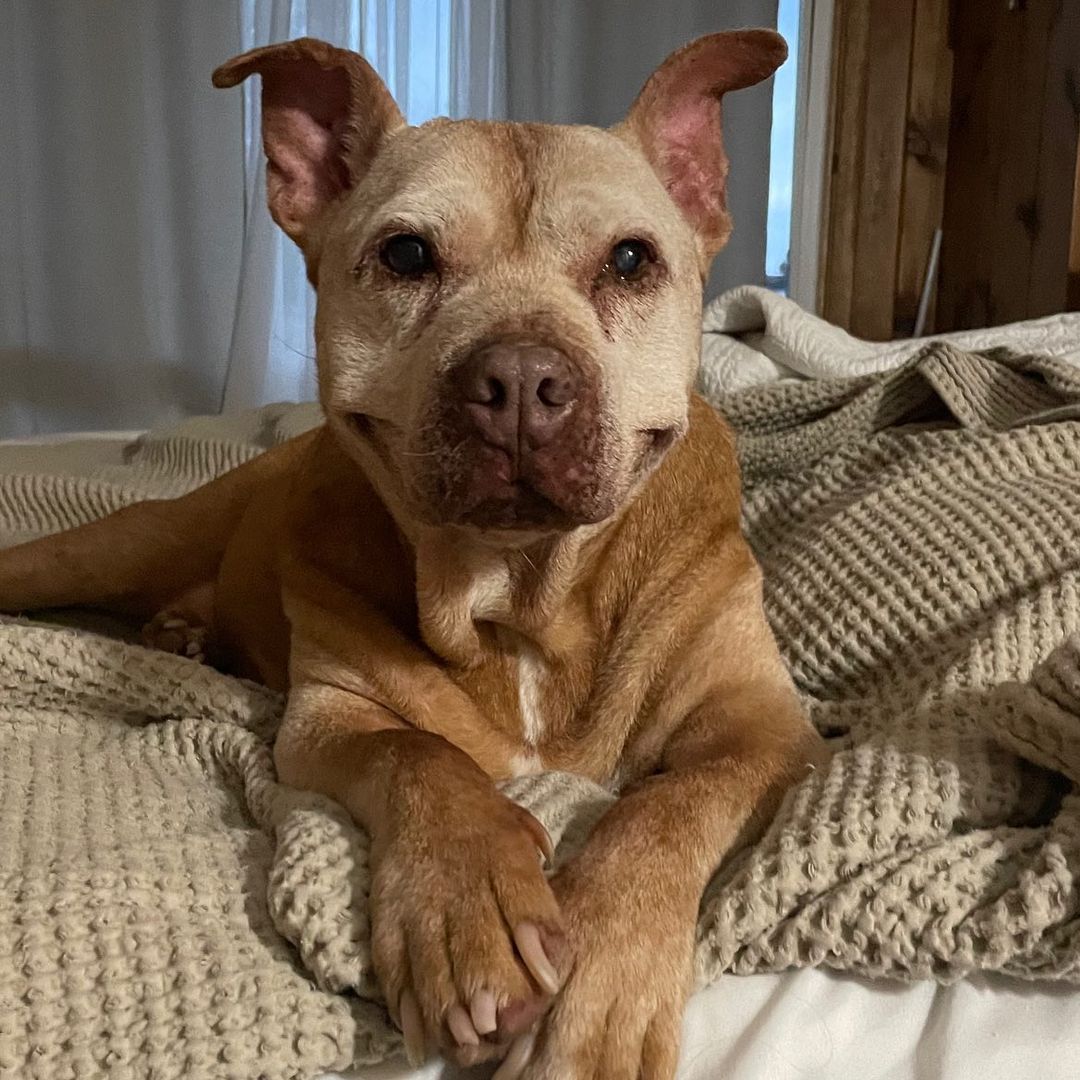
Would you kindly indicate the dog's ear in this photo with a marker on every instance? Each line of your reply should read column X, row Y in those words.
column 324, row 113
column 676, row 121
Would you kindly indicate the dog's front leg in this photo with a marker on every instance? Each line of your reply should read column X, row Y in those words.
column 630, row 899
column 466, row 933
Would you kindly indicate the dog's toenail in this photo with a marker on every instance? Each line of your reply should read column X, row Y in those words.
column 461, row 1027
column 412, row 1028
column 531, row 950
column 517, row 1058
column 483, row 1012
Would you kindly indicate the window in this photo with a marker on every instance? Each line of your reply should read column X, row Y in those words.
column 782, row 154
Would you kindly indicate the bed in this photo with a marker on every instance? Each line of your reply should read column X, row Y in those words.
column 809, row 1022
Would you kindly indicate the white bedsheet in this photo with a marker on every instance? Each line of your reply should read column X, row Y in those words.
column 817, row 1025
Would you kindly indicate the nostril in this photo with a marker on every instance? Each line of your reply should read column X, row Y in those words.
column 487, row 391
column 554, row 392
column 493, row 393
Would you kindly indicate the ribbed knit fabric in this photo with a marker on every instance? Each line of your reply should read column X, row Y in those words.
column 167, row 909
column 920, row 538
column 137, row 813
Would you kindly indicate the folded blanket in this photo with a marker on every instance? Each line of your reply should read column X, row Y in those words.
column 168, row 909
column 753, row 336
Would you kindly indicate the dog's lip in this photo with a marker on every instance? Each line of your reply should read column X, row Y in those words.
column 506, row 536
column 360, row 422
column 364, row 421
column 520, row 506
column 524, row 511
column 371, row 430
column 369, row 426
column 660, row 438
column 655, row 443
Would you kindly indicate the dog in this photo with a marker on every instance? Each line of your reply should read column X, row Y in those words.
column 513, row 546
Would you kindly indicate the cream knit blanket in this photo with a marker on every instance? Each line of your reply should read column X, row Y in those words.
column 168, row 910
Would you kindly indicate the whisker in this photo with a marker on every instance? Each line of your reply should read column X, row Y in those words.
column 293, row 349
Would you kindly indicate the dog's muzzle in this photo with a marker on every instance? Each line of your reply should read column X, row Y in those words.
column 515, row 440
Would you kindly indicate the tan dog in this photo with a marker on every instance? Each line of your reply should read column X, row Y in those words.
column 514, row 546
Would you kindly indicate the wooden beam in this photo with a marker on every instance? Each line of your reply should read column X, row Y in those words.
column 1012, row 162
column 925, row 157
column 974, row 165
column 852, row 34
column 1023, row 43
column 1073, row 299
column 1054, row 190
column 877, row 237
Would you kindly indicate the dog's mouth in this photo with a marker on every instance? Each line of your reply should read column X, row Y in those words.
column 656, row 442
column 368, row 427
column 466, row 482
column 378, row 434
column 518, row 507
column 361, row 423
column 478, row 485
column 494, row 500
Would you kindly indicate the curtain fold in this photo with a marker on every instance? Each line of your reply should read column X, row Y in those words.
column 120, row 213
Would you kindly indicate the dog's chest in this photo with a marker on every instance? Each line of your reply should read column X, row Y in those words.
column 531, row 676
column 546, row 705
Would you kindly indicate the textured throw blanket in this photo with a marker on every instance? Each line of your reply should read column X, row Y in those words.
column 752, row 336
column 168, row 910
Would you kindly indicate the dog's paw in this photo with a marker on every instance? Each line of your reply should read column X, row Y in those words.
column 604, row 1026
column 619, row 1014
column 467, row 939
column 176, row 633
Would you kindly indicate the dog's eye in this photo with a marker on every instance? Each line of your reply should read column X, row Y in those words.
column 407, row 255
column 629, row 259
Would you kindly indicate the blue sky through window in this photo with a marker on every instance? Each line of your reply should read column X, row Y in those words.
column 782, row 149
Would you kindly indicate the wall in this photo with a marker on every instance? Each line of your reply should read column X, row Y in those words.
column 892, row 72
column 1012, row 161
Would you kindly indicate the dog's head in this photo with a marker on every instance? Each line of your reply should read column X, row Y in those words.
column 508, row 322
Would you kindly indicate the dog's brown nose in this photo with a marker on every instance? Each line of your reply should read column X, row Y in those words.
column 518, row 395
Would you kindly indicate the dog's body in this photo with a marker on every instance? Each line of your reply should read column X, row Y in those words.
column 514, row 546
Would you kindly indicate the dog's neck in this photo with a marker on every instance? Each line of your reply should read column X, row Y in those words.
column 469, row 585
column 464, row 584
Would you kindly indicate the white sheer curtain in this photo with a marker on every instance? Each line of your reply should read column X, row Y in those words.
column 439, row 58
column 121, row 201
